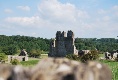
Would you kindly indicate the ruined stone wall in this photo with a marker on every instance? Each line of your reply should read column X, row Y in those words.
column 63, row 45
column 56, row 69
column 20, row 58
column 60, row 46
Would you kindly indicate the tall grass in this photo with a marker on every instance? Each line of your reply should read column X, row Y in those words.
column 113, row 66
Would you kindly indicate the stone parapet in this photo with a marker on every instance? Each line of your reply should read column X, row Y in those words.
column 57, row 69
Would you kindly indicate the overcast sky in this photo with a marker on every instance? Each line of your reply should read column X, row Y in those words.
column 42, row 18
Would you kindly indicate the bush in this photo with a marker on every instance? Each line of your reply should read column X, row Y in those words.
column 35, row 53
column 15, row 62
column 72, row 57
column 92, row 55
column 3, row 57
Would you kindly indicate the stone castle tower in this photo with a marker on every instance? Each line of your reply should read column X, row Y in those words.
column 63, row 44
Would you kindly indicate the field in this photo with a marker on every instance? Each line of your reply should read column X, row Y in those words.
column 33, row 61
column 112, row 64
column 114, row 67
column 29, row 63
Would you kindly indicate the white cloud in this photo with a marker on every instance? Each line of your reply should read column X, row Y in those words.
column 8, row 11
column 106, row 18
column 115, row 10
column 25, row 21
column 53, row 15
column 24, row 8
column 101, row 11
column 115, row 7
column 58, row 12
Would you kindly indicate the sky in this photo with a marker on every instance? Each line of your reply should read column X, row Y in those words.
column 43, row 18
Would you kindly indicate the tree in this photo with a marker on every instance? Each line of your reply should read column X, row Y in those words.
column 10, row 50
column 35, row 53
column 3, row 57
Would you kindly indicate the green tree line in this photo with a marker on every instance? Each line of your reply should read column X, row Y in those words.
column 102, row 45
column 11, row 45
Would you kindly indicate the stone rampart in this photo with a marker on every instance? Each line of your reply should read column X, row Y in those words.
column 56, row 69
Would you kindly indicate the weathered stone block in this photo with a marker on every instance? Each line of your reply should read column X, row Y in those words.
column 57, row 69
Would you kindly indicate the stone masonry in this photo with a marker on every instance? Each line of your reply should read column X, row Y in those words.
column 23, row 56
column 57, row 69
column 62, row 45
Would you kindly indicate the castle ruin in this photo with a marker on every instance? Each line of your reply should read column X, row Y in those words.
column 23, row 56
column 63, row 44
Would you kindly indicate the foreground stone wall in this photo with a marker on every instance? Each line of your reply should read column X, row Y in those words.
column 56, row 69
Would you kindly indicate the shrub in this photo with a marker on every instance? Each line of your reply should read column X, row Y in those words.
column 92, row 55
column 72, row 57
column 15, row 62
column 3, row 57
column 35, row 53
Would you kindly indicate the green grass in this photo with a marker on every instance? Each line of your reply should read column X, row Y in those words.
column 101, row 55
column 29, row 63
column 33, row 61
column 113, row 66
